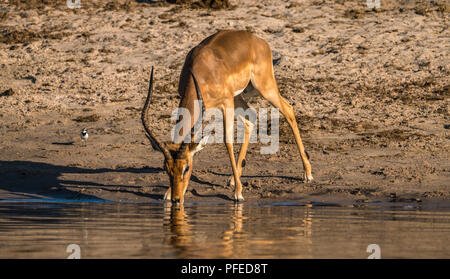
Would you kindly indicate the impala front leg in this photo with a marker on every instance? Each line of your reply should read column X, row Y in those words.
column 244, row 146
column 248, row 117
column 228, row 123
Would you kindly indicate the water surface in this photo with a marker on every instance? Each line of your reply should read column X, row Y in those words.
column 44, row 229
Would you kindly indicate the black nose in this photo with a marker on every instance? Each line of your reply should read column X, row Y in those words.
column 176, row 201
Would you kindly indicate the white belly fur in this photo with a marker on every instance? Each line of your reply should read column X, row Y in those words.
column 251, row 93
column 238, row 92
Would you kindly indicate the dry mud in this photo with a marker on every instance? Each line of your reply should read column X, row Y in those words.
column 370, row 88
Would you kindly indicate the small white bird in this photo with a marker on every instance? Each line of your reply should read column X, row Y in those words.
column 84, row 135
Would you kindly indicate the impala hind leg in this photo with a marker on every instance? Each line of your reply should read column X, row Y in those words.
column 265, row 83
column 228, row 123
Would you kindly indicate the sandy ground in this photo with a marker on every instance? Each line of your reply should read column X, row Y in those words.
column 370, row 89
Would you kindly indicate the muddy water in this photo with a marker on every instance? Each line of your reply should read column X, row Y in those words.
column 212, row 230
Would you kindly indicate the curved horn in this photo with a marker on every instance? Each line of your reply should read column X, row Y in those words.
column 200, row 100
column 197, row 89
column 157, row 145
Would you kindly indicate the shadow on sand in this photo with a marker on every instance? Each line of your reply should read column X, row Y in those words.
column 29, row 180
column 26, row 179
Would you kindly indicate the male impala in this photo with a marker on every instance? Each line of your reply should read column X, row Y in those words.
column 216, row 73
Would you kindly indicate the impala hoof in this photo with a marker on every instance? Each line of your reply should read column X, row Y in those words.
column 238, row 198
column 307, row 178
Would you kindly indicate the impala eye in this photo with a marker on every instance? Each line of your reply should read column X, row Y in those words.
column 186, row 169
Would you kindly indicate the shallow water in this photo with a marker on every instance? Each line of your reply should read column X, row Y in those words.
column 45, row 229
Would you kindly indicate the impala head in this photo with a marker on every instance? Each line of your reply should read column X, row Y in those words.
column 177, row 157
column 179, row 168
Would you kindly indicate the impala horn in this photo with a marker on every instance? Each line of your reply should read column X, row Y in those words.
column 156, row 144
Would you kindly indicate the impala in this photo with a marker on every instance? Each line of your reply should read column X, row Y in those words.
column 216, row 73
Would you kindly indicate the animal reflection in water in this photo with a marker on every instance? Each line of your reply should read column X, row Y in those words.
column 244, row 234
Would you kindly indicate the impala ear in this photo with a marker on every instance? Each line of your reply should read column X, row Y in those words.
column 196, row 147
